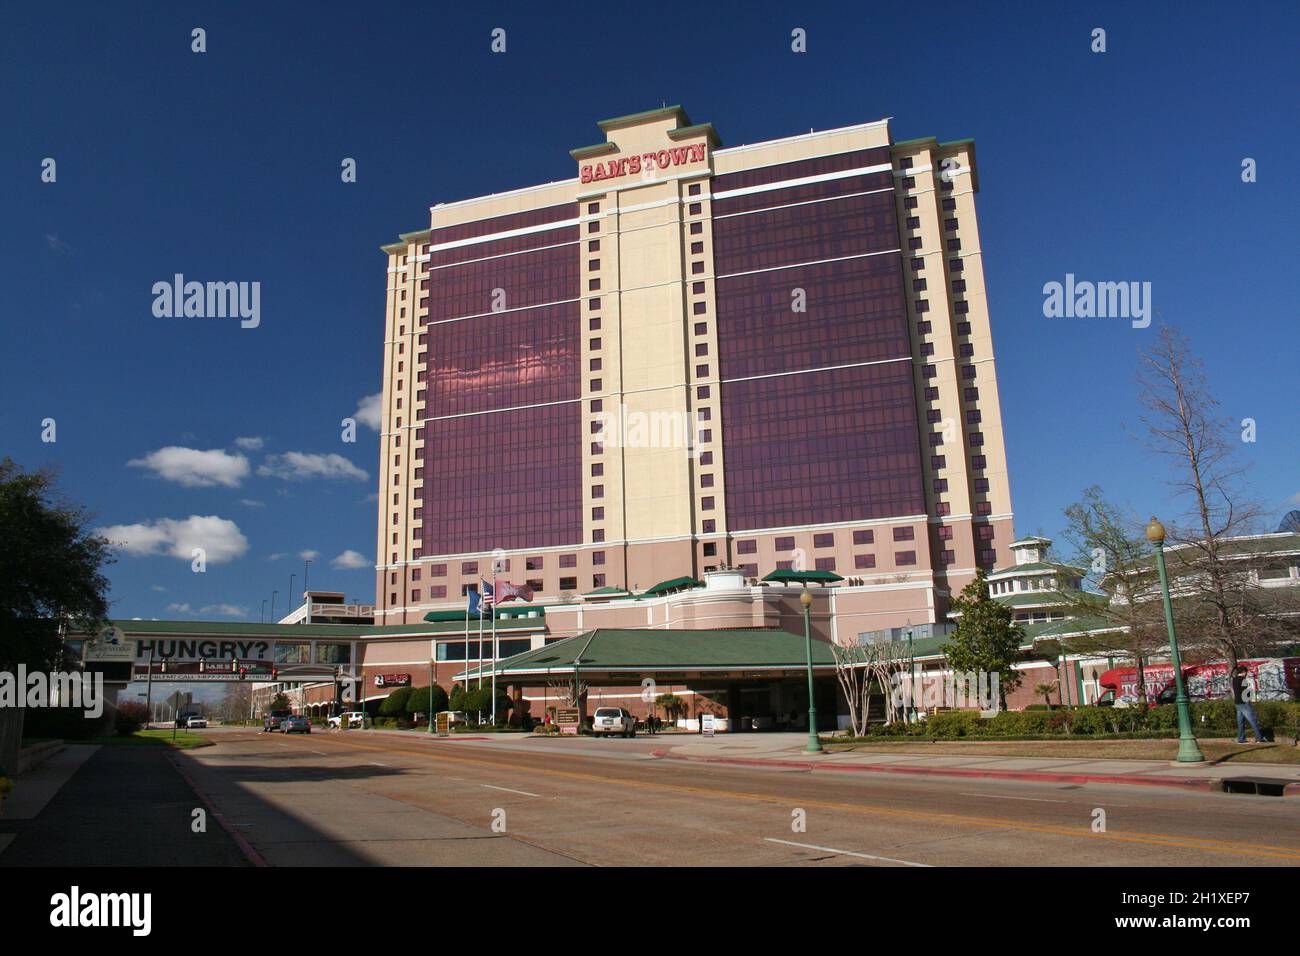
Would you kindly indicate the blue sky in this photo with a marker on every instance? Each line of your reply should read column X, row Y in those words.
column 225, row 166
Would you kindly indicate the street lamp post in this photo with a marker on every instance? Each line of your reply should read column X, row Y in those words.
column 1188, row 750
column 814, row 742
column 911, row 675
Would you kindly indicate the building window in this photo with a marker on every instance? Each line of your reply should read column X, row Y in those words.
column 904, row 558
column 785, row 543
column 706, row 481
column 904, row 534
column 598, row 558
column 864, row 537
column 568, row 584
column 706, row 458
column 469, row 567
column 593, row 305
column 747, row 547
column 693, row 189
column 598, row 580
column 945, row 532
column 709, row 525
column 825, row 564
column 568, row 560
column 710, row 549
column 823, row 540
column 534, row 564
column 706, row 503
column 598, row 491
column 597, row 536
column 938, row 461
column 597, row 469
column 864, row 561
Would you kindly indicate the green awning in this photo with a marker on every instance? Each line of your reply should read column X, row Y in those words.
column 676, row 584
column 790, row 576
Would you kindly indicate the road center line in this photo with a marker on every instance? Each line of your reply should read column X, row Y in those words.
column 829, row 849
column 522, row 793
column 1001, row 796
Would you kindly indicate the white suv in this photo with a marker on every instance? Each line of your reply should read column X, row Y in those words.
column 613, row 720
column 354, row 718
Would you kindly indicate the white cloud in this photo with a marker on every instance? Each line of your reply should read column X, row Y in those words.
column 158, row 587
column 224, row 610
column 350, row 560
column 308, row 554
column 194, row 468
column 252, row 443
column 301, row 466
column 250, row 503
column 180, row 608
column 370, row 411
column 220, row 538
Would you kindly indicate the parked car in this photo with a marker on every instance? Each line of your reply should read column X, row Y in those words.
column 613, row 720
column 272, row 720
column 297, row 724
column 355, row 718
column 196, row 722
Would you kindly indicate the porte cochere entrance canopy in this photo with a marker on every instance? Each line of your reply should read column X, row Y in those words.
column 627, row 655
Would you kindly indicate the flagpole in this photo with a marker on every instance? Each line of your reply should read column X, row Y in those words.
column 494, row 642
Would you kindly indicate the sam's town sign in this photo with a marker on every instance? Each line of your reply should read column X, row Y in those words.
column 645, row 163
column 392, row 680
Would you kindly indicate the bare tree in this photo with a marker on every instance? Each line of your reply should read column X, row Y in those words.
column 569, row 691
column 1121, row 612
column 864, row 668
column 1215, row 579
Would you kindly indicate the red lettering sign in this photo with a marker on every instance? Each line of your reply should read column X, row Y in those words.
column 632, row 165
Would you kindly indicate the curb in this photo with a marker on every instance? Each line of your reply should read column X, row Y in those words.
column 241, row 841
column 1206, row 784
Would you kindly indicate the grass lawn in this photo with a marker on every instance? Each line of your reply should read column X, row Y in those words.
column 1215, row 750
column 156, row 738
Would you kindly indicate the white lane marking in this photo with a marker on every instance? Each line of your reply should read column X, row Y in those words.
column 376, row 763
column 320, row 753
column 1001, row 796
column 830, row 849
column 522, row 793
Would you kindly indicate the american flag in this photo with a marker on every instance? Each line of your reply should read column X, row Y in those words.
column 487, row 595
column 507, row 591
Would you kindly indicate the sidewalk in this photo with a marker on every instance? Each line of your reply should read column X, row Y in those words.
column 786, row 751
column 109, row 806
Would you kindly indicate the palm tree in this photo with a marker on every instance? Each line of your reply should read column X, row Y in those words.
column 1045, row 690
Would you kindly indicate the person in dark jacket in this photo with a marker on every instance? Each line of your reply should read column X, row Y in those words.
column 1242, row 696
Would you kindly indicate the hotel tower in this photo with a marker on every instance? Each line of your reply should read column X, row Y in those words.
column 692, row 356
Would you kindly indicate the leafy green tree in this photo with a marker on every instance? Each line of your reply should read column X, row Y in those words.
column 457, row 698
column 50, row 570
column 986, row 638
column 280, row 702
column 479, row 700
column 394, row 704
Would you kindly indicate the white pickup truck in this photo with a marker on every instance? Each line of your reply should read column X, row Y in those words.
column 354, row 718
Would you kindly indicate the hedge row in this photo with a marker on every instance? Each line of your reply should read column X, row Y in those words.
column 1209, row 718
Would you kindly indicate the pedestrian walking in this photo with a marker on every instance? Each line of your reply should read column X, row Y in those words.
column 1241, row 698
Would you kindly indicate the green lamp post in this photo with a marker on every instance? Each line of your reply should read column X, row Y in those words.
column 1188, row 750
column 814, row 742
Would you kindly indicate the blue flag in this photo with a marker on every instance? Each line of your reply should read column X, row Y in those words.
column 474, row 603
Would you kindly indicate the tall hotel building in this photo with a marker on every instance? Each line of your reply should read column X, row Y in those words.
column 813, row 307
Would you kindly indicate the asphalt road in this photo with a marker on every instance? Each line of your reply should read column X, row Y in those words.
column 367, row 799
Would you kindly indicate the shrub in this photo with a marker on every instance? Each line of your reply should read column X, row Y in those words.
column 130, row 717
column 953, row 723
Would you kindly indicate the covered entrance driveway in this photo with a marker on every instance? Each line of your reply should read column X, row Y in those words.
column 756, row 678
